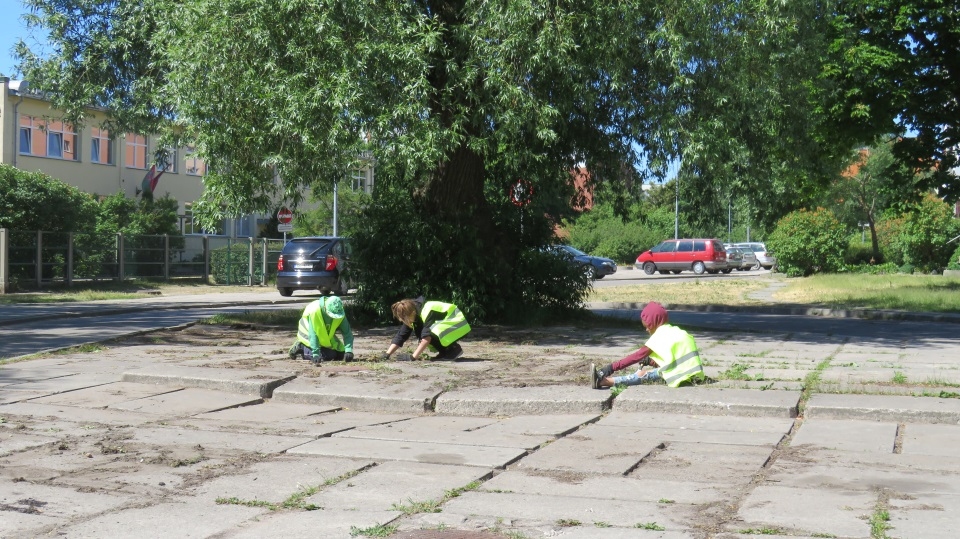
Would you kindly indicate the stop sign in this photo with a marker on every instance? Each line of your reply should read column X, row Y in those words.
column 284, row 215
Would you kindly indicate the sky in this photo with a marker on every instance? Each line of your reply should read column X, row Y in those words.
column 11, row 29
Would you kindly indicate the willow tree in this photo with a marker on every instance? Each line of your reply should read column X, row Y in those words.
column 453, row 100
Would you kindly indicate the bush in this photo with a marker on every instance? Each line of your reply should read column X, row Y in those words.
column 954, row 263
column 601, row 233
column 230, row 264
column 35, row 201
column 808, row 242
column 858, row 252
column 927, row 229
column 404, row 250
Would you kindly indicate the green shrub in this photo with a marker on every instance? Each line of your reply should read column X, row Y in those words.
column 402, row 249
column 858, row 252
column 874, row 269
column 35, row 201
column 927, row 229
column 230, row 264
column 602, row 233
column 954, row 263
column 808, row 242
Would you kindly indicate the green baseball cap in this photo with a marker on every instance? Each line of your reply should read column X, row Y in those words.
column 334, row 307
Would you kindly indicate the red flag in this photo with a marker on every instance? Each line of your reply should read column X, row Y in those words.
column 148, row 183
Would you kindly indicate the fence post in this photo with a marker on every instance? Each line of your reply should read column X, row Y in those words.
column 166, row 257
column 206, row 259
column 250, row 262
column 4, row 261
column 39, row 268
column 69, row 276
column 120, row 264
column 263, row 274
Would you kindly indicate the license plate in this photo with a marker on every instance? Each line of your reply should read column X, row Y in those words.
column 303, row 266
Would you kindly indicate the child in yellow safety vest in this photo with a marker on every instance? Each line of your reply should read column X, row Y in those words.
column 316, row 334
column 671, row 352
column 437, row 325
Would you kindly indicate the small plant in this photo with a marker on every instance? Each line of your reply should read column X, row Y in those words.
column 824, row 535
column 879, row 523
column 380, row 530
column 649, row 526
column 760, row 531
column 899, row 378
column 617, row 389
column 429, row 506
column 737, row 371
column 568, row 523
column 602, row 525
column 665, row 500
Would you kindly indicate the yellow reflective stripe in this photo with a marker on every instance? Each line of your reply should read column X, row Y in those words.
column 683, row 368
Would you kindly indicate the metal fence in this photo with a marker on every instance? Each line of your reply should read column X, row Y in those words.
column 35, row 259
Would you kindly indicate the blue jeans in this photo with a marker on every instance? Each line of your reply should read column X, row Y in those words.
column 635, row 379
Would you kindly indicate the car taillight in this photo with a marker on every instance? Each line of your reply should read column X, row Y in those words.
column 280, row 263
column 331, row 263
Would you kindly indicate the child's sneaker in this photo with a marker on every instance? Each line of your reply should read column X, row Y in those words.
column 594, row 376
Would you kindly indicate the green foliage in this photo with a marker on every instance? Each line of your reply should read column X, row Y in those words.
column 927, row 228
column 602, row 233
column 891, row 70
column 858, row 252
column 318, row 221
column 399, row 253
column 954, row 263
column 230, row 264
column 808, row 242
column 35, row 201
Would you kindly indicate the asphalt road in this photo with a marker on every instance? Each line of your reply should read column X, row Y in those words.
column 625, row 276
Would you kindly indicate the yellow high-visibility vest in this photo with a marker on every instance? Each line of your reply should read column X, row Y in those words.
column 448, row 329
column 313, row 318
column 676, row 353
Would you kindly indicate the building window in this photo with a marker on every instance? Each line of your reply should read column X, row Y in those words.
column 169, row 161
column 194, row 165
column 190, row 226
column 101, row 147
column 136, row 151
column 47, row 139
column 358, row 178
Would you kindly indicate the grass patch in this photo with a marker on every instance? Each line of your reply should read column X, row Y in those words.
column 760, row 531
column 380, row 530
column 689, row 292
column 649, row 526
column 129, row 289
column 283, row 318
column 919, row 293
column 899, row 377
column 879, row 523
column 737, row 371
column 568, row 523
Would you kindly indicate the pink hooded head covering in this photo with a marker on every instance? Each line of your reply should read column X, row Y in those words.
column 653, row 316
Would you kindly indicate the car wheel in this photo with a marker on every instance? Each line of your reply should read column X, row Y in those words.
column 286, row 292
column 755, row 266
column 590, row 272
column 699, row 268
column 649, row 268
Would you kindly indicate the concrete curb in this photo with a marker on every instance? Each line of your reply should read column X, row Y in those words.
column 794, row 310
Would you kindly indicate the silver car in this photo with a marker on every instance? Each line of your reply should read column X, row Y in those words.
column 765, row 258
column 745, row 258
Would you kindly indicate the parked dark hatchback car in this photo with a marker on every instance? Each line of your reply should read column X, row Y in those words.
column 595, row 267
column 314, row 263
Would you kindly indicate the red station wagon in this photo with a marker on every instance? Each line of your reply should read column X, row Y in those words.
column 699, row 255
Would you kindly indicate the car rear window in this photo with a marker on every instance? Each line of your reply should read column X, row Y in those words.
column 305, row 247
column 717, row 246
column 700, row 246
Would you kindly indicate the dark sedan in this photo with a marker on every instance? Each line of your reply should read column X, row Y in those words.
column 314, row 263
column 594, row 267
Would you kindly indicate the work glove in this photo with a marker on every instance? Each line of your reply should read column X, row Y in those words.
column 348, row 356
column 402, row 356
